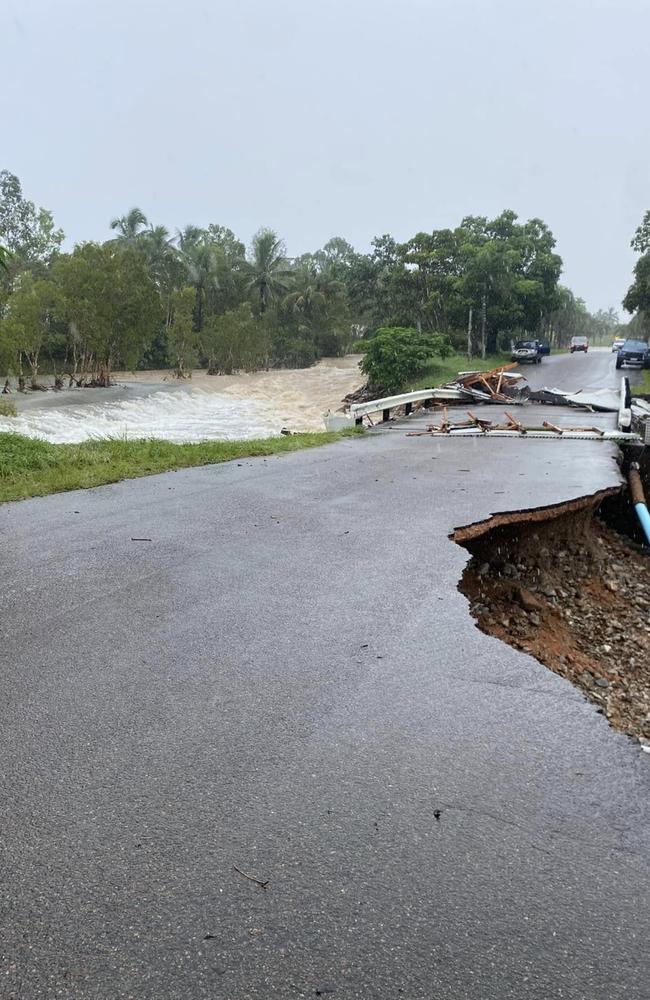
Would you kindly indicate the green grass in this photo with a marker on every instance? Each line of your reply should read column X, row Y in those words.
column 30, row 467
column 644, row 387
column 442, row 370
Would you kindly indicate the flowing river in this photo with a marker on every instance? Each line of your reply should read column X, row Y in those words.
column 154, row 404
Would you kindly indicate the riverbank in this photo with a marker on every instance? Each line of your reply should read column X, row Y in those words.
column 30, row 467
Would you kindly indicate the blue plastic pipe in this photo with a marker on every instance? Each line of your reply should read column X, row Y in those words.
column 638, row 499
column 644, row 517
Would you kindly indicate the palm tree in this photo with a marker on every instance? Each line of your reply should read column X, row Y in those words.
column 313, row 291
column 201, row 262
column 130, row 226
column 190, row 237
column 268, row 269
column 165, row 265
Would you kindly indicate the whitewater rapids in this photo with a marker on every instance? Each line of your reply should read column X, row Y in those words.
column 227, row 408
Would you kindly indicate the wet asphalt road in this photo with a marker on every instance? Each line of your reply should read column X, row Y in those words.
column 594, row 370
column 286, row 679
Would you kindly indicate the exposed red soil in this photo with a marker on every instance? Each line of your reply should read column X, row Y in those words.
column 565, row 588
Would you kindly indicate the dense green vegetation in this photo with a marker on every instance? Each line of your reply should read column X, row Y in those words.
column 30, row 467
column 395, row 355
column 637, row 300
column 145, row 298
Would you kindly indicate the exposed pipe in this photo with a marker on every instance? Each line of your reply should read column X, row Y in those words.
column 638, row 499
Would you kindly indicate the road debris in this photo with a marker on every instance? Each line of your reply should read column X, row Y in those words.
column 252, row 878
column 511, row 427
column 499, row 385
column 594, row 400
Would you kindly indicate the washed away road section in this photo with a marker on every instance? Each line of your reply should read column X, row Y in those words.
column 286, row 679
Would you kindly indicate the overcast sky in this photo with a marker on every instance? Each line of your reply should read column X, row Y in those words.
column 342, row 117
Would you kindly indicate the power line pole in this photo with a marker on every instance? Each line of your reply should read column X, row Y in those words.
column 469, row 335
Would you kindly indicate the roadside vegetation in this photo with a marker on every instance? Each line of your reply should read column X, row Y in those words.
column 441, row 370
column 8, row 408
column 637, row 299
column 398, row 360
column 30, row 467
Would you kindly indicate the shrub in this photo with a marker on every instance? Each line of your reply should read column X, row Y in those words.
column 8, row 408
column 396, row 354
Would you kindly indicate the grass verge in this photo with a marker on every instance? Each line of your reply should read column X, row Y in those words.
column 441, row 370
column 30, row 467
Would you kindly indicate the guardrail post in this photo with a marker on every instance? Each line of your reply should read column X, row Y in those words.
column 408, row 409
column 624, row 411
column 385, row 415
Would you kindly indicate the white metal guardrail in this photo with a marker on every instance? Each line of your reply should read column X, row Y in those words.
column 405, row 399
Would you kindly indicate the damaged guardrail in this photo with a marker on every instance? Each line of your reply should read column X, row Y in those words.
column 405, row 399
column 499, row 385
column 512, row 427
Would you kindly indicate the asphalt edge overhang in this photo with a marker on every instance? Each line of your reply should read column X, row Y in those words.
column 469, row 532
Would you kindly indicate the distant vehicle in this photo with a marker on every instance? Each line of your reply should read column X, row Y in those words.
column 526, row 350
column 579, row 344
column 617, row 343
column 634, row 353
column 544, row 348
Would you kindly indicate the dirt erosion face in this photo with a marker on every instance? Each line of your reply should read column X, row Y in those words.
column 562, row 585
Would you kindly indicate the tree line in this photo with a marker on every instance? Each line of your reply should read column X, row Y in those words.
column 147, row 298
column 637, row 299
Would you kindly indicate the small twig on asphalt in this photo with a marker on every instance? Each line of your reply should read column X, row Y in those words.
column 252, row 877
column 140, row 539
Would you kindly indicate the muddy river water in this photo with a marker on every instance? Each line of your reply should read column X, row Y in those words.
column 155, row 404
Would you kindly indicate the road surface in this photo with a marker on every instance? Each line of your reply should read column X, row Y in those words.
column 594, row 370
column 285, row 679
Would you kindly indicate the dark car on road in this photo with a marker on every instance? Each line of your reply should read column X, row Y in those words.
column 635, row 353
column 526, row 350
column 579, row 344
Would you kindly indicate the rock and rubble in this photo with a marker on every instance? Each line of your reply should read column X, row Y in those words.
column 575, row 594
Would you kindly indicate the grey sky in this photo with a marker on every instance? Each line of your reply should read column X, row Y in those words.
column 337, row 118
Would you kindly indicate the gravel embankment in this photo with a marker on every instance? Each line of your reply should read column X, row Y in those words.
column 580, row 603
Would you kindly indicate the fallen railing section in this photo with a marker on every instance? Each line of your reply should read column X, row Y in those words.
column 482, row 426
